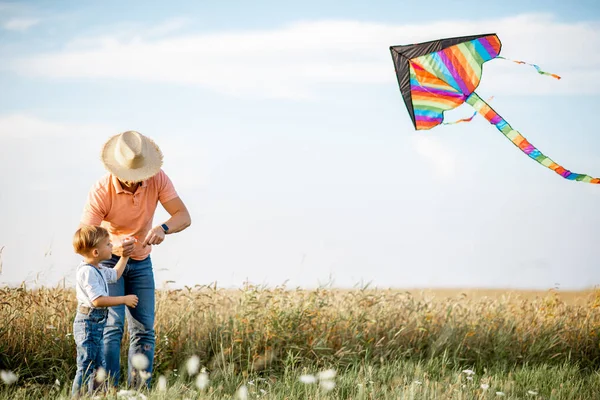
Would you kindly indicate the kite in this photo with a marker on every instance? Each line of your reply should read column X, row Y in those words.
column 441, row 75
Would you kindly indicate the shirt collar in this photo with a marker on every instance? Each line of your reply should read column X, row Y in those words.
column 119, row 188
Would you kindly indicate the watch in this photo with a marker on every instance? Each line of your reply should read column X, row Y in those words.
column 165, row 227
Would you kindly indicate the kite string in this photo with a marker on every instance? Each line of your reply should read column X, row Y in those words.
column 539, row 70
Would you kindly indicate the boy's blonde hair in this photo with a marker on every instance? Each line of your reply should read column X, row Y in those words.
column 88, row 237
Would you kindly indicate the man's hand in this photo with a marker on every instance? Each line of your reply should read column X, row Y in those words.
column 124, row 249
column 156, row 235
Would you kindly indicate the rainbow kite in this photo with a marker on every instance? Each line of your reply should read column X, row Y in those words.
column 443, row 74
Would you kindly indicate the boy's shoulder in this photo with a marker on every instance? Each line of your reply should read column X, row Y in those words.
column 103, row 270
column 109, row 273
column 84, row 266
column 84, row 270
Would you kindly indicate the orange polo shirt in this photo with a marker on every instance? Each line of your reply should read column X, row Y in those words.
column 126, row 214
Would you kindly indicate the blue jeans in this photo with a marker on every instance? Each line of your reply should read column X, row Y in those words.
column 138, row 279
column 87, row 332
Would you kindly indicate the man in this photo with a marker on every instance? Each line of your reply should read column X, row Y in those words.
column 124, row 202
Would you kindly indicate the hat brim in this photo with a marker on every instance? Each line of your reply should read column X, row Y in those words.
column 153, row 159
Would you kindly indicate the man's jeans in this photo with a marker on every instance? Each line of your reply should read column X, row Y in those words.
column 138, row 279
column 87, row 332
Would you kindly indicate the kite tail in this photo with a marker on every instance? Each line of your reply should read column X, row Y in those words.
column 465, row 119
column 539, row 70
column 518, row 140
column 461, row 120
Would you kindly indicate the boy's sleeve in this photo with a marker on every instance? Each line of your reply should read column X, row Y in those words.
column 90, row 282
column 109, row 274
column 166, row 190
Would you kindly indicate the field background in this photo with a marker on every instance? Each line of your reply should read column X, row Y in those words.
column 382, row 343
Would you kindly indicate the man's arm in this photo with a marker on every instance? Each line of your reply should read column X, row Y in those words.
column 180, row 220
column 95, row 208
column 180, row 216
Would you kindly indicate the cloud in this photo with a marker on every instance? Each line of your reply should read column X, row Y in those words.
column 168, row 27
column 442, row 160
column 32, row 142
column 20, row 24
column 296, row 60
column 26, row 126
column 43, row 156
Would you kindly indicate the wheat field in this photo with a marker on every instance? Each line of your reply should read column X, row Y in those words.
column 261, row 342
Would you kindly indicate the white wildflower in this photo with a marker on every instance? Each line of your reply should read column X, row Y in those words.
column 192, row 365
column 251, row 383
column 326, row 375
column 263, row 391
column 57, row 382
column 500, row 394
column 485, row 386
column 469, row 378
column 8, row 377
column 139, row 361
column 100, row 375
column 162, row 383
column 242, row 393
column 145, row 375
column 123, row 392
column 327, row 385
column 308, row 379
column 532, row 393
column 469, row 372
column 418, row 382
column 202, row 380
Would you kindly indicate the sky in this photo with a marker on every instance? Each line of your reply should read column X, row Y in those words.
column 285, row 134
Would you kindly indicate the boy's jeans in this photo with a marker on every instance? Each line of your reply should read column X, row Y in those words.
column 138, row 279
column 87, row 332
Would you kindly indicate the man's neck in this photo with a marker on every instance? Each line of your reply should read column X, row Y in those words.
column 130, row 188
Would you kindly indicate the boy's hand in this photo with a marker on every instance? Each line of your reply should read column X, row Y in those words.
column 131, row 300
column 124, row 249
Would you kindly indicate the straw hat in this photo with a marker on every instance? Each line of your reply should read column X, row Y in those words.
column 131, row 156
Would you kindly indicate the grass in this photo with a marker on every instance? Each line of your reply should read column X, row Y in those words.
column 384, row 340
column 431, row 379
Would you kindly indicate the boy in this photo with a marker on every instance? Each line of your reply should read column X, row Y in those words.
column 93, row 243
